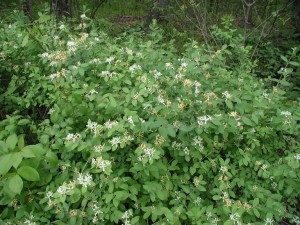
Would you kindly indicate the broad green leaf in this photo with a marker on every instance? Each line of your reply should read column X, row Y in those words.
column 229, row 104
column 255, row 202
column 256, row 212
column 27, row 153
column 29, row 173
column 21, row 142
column 247, row 121
column 16, row 158
column 25, row 41
column 23, row 122
column 171, row 131
column 135, row 220
column 12, row 141
column 295, row 63
column 15, row 184
column 163, row 132
column 6, row 163
column 36, row 150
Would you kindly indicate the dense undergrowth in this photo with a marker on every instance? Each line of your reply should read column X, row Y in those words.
column 122, row 130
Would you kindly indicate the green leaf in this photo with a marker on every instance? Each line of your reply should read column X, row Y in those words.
column 229, row 104
column 23, row 122
column 112, row 101
column 163, row 132
column 255, row 202
column 284, row 58
column 6, row 163
column 108, row 198
column 27, row 154
column 25, row 41
column 81, row 71
column 256, row 213
column 135, row 220
column 30, row 151
column 247, row 121
column 295, row 63
column 193, row 170
column 228, row 222
column 12, row 141
column 16, row 159
column 171, row 131
column 15, row 183
column 21, row 142
column 29, row 173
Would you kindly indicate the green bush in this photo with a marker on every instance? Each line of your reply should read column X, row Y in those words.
column 128, row 133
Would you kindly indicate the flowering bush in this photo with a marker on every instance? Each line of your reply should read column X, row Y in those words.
column 127, row 131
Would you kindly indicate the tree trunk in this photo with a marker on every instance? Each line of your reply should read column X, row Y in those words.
column 61, row 8
column 27, row 8
column 248, row 15
column 157, row 11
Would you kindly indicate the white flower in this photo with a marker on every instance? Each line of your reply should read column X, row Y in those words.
column 269, row 221
column 115, row 141
column 215, row 221
column 183, row 65
column 97, row 210
column 49, row 194
column 72, row 45
column 204, row 119
column 126, row 216
column 147, row 105
column 62, row 189
column 169, row 66
column 223, row 169
column 106, row 74
column 91, row 92
column 196, row 181
column 110, row 59
column 297, row 156
column 85, row 180
column 198, row 142
column 93, row 126
column 156, row 74
column 98, row 148
column 226, row 95
column 130, row 120
column 265, row 95
column 149, row 152
column 95, row 61
column 100, row 163
column 186, row 151
column 208, row 214
column 160, row 100
column 62, row 27
column 286, row 113
column 73, row 137
column 29, row 221
column 45, row 55
column 197, row 201
column 134, row 67
column 53, row 76
column 235, row 217
column 83, row 16
column 197, row 84
column 129, row 51
column 110, row 124
column 296, row 220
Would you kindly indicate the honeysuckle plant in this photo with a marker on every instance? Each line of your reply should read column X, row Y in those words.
column 128, row 131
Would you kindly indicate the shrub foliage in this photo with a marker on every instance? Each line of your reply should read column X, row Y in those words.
column 127, row 131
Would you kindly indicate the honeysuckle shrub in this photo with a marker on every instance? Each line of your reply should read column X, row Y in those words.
column 127, row 131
